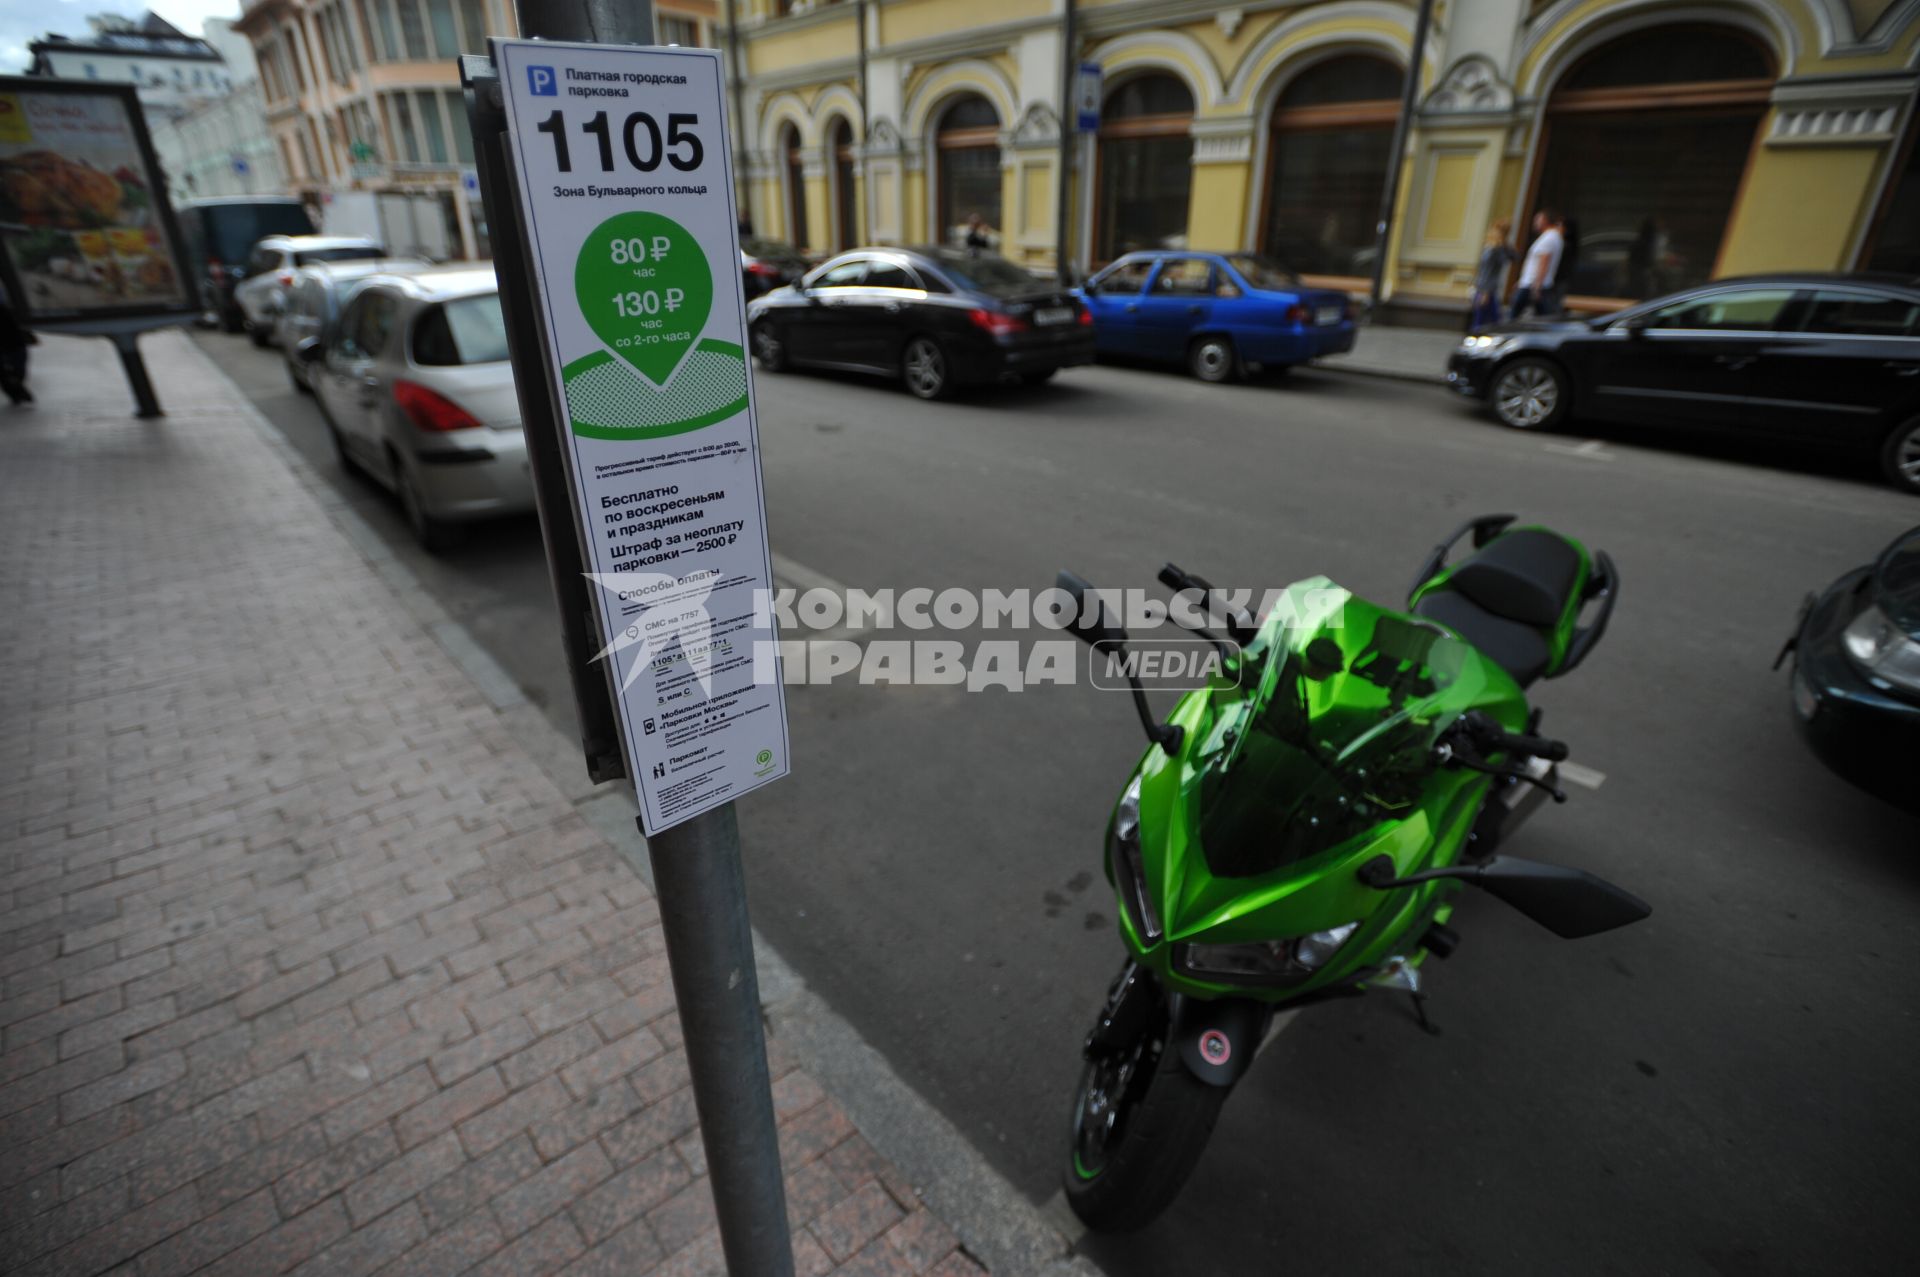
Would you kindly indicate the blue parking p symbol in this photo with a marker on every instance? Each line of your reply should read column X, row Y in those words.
column 540, row 82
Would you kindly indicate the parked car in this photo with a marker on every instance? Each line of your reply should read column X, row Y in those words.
column 1221, row 314
column 1856, row 673
column 270, row 268
column 1821, row 359
column 221, row 233
column 314, row 300
column 767, row 264
column 937, row 318
column 416, row 390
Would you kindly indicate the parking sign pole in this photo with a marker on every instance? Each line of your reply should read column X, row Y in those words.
column 697, row 868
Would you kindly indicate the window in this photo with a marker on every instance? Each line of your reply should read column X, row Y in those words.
column 1639, row 224
column 445, row 37
column 983, row 273
column 681, row 31
column 403, row 127
column 890, row 275
column 471, row 330
column 846, row 219
column 473, row 26
column 263, row 261
column 845, row 275
column 1735, row 310
column 430, row 122
column 462, row 135
column 1896, row 240
column 1189, row 276
column 313, row 256
column 796, row 188
column 967, row 140
column 1330, row 146
column 1127, row 278
column 1145, row 167
column 389, row 37
column 1864, row 314
column 93, row 72
column 1263, row 272
column 413, row 30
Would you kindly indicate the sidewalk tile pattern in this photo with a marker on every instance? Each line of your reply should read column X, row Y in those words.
column 304, row 966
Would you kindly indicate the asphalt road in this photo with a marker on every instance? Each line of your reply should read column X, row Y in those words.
column 1723, row 1089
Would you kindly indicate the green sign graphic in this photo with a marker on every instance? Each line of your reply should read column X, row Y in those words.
column 645, row 289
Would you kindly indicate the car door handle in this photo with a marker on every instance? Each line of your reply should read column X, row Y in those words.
column 893, row 308
column 1193, row 310
column 1734, row 362
column 1133, row 305
column 1903, row 367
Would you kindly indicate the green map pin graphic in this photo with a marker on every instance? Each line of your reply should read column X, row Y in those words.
column 645, row 289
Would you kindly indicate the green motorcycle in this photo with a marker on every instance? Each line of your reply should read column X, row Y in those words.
column 1298, row 828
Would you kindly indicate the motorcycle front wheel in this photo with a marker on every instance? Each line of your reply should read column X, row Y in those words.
column 1140, row 1123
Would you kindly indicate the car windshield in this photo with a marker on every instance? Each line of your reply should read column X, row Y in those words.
column 1263, row 272
column 985, row 273
column 346, row 253
column 468, row 331
column 1336, row 738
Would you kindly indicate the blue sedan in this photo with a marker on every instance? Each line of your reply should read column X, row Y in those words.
column 1219, row 313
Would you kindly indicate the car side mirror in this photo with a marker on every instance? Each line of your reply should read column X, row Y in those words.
column 1636, row 325
column 308, row 351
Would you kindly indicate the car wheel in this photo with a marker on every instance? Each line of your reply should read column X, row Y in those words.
column 1529, row 394
column 923, row 367
column 1900, row 458
column 434, row 535
column 1211, row 359
column 768, row 350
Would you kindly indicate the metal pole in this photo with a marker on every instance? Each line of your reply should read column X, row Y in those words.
column 145, row 404
column 701, row 885
column 1063, row 189
column 1391, row 194
column 735, row 93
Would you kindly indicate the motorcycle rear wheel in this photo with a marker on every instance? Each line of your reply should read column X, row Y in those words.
column 1140, row 1124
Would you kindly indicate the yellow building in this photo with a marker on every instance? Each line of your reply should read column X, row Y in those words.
column 364, row 95
column 1685, row 139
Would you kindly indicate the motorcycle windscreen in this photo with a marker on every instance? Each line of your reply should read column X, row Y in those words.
column 1337, row 738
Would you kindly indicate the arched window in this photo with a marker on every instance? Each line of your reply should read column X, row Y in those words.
column 1146, row 166
column 796, row 170
column 967, row 146
column 1639, row 223
column 846, row 221
column 1329, row 148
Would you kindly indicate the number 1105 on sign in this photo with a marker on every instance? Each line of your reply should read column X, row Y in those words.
column 639, row 137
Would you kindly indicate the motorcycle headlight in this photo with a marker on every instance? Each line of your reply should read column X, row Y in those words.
column 1129, row 867
column 1268, row 961
column 1882, row 650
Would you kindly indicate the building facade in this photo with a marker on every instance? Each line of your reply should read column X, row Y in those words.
column 364, row 96
column 1685, row 139
column 172, row 70
column 220, row 145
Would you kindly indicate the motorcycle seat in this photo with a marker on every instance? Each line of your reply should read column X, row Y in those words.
column 1508, row 597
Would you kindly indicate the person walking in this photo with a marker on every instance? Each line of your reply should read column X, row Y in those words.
column 1542, row 267
column 14, row 340
column 978, row 241
column 1491, row 277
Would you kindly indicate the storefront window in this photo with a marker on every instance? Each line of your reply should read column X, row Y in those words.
column 1146, row 167
column 1638, row 223
column 846, row 223
column 968, row 142
column 1331, row 143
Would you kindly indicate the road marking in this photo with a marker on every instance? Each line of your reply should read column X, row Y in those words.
column 1587, row 777
column 1591, row 450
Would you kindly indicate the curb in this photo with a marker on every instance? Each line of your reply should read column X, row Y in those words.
column 995, row 1222
column 1390, row 374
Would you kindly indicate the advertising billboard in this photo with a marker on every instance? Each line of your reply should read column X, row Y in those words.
column 84, row 220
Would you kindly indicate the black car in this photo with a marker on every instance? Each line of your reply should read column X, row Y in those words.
column 1856, row 675
column 937, row 318
column 766, row 264
column 1831, row 360
column 221, row 233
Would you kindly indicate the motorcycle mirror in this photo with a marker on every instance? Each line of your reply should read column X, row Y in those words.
column 1571, row 903
column 1091, row 624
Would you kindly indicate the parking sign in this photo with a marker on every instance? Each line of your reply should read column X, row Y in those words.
column 627, row 196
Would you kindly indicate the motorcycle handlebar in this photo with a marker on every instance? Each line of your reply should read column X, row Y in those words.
column 1494, row 736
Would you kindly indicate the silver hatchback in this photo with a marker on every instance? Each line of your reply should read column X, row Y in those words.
column 414, row 382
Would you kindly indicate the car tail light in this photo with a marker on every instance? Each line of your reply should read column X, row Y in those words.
column 763, row 269
column 1085, row 319
column 1299, row 313
column 996, row 322
column 286, row 278
column 429, row 410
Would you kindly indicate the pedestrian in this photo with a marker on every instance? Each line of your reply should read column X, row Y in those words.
column 14, row 340
column 977, row 240
column 1542, row 267
column 1490, row 280
column 1555, row 302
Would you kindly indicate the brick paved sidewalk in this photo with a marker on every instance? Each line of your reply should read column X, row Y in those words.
column 304, row 965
